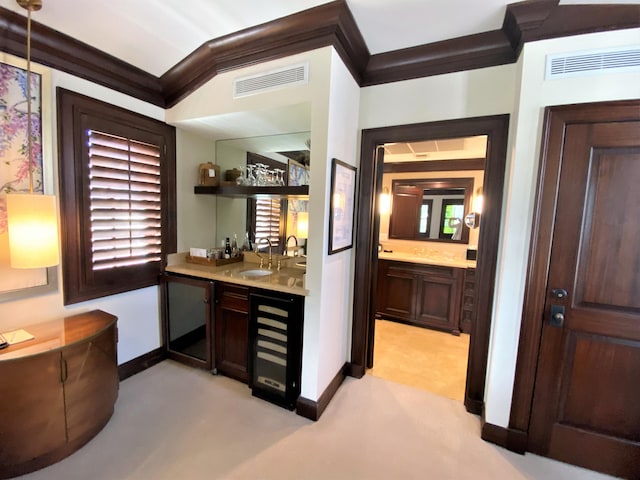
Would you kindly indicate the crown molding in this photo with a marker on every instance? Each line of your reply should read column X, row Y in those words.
column 330, row 24
column 62, row 52
column 481, row 50
column 533, row 20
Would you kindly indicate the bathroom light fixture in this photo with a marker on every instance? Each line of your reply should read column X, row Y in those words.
column 31, row 217
column 472, row 219
column 385, row 201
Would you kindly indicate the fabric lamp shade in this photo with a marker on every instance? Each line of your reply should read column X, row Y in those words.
column 302, row 230
column 33, row 230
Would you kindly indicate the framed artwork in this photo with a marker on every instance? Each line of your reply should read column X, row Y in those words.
column 342, row 206
column 298, row 174
column 14, row 168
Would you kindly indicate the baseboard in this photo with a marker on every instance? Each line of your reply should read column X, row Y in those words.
column 353, row 370
column 509, row 438
column 474, row 406
column 138, row 364
column 312, row 409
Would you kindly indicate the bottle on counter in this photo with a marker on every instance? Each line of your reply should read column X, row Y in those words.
column 234, row 246
column 227, row 248
column 247, row 243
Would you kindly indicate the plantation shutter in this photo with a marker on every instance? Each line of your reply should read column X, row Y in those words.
column 267, row 222
column 125, row 202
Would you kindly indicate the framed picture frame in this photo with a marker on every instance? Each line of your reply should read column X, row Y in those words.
column 16, row 284
column 341, row 206
column 298, row 174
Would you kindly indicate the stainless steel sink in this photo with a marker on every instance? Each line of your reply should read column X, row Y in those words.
column 256, row 272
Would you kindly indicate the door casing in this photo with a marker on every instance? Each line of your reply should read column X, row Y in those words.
column 367, row 230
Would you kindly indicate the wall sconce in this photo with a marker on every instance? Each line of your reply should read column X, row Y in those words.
column 472, row 219
column 31, row 217
column 384, row 202
column 302, row 227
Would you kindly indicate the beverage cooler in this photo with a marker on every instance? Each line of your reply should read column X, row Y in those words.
column 276, row 347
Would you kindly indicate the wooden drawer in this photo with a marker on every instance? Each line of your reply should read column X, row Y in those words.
column 233, row 297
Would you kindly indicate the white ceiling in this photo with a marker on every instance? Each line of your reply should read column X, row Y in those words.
column 137, row 30
column 155, row 35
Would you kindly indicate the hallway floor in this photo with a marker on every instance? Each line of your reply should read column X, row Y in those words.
column 426, row 359
column 173, row 421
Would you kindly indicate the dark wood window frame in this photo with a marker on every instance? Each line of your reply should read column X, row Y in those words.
column 77, row 114
column 370, row 185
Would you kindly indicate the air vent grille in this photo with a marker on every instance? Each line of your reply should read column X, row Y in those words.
column 271, row 80
column 593, row 62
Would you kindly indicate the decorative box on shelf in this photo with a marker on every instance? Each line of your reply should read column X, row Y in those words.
column 214, row 262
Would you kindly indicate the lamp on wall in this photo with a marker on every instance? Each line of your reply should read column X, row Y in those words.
column 31, row 217
column 384, row 204
column 472, row 219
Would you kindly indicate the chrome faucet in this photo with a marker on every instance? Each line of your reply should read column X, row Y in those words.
column 286, row 243
column 270, row 251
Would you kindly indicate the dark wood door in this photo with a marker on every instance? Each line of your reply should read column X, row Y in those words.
column 32, row 385
column 232, row 331
column 586, row 406
column 91, row 385
column 396, row 291
column 438, row 300
column 405, row 212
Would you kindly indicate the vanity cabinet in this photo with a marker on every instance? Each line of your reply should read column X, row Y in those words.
column 188, row 319
column 58, row 390
column 232, row 331
column 423, row 295
column 468, row 299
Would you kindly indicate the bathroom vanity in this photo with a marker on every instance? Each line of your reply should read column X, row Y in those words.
column 427, row 292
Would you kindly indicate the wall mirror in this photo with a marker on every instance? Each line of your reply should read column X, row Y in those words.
column 274, row 217
column 430, row 209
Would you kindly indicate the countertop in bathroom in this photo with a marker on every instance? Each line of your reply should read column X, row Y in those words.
column 428, row 259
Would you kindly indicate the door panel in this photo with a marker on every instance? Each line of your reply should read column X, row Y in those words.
column 585, row 409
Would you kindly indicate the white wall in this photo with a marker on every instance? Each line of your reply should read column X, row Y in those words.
column 196, row 214
column 535, row 94
column 336, row 294
column 137, row 311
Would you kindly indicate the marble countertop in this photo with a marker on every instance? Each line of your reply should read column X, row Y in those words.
column 439, row 260
column 287, row 279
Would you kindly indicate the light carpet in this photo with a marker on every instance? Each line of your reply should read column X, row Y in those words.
column 175, row 422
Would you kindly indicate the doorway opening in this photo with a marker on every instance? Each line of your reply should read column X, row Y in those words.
column 430, row 210
column 371, row 172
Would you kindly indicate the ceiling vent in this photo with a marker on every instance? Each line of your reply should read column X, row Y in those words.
column 271, row 80
column 593, row 62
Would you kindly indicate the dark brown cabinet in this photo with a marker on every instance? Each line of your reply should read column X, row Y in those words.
column 58, row 390
column 232, row 331
column 468, row 302
column 423, row 295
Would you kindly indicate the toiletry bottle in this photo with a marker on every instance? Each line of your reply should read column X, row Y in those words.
column 234, row 246
column 227, row 248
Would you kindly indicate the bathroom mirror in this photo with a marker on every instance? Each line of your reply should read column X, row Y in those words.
column 430, row 209
column 287, row 151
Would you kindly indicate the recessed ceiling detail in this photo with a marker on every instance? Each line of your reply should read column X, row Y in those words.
column 444, row 149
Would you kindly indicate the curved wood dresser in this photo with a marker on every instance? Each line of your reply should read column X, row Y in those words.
column 57, row 391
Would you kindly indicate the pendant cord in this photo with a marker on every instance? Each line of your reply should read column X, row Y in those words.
column 29, row 146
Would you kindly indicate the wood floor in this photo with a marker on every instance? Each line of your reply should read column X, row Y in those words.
column 422, row 358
